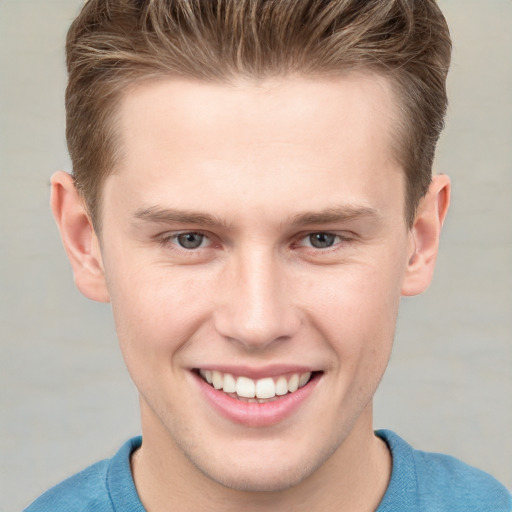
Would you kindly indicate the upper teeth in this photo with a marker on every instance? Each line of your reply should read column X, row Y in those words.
column 245, row 387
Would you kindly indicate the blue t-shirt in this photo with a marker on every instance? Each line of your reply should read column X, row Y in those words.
column 420, row 482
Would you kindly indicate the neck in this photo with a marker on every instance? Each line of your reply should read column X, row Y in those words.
column 354, row 478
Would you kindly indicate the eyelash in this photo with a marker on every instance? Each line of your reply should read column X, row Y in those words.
column 168, row 240
column 338, row 239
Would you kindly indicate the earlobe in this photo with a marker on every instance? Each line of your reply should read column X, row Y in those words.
column 425, row 234
column 79, row 238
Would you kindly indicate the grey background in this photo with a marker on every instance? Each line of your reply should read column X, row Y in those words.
column 65, row 397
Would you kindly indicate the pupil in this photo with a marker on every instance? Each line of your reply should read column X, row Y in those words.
column 190, row 240
column 322, row 240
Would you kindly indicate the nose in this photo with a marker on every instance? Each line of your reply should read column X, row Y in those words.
column 254, row 304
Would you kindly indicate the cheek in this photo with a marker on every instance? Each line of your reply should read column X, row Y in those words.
column 154, row 325
column 355, row 310
column 156, row 309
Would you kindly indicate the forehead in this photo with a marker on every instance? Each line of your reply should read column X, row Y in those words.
column 256, row 111
column 256, row 138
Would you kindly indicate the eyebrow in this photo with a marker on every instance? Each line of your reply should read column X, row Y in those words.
column 335, row 214
column 158, row 215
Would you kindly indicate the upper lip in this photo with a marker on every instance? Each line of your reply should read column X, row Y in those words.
column 252, row 372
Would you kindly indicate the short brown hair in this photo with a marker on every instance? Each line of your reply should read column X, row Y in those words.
column 114, row 43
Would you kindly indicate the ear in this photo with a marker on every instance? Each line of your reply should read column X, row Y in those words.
column 78, row 236
column 425, row 234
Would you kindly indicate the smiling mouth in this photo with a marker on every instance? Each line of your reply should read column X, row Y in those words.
column 263, row 390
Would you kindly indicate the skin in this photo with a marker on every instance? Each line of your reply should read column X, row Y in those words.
column 262, row 166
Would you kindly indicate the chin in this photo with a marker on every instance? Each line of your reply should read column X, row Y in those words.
column 263, row 480
column 263, row 474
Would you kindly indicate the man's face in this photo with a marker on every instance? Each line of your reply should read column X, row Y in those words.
column 257, row 231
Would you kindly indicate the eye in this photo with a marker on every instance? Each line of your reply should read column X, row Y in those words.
column 190, row 240
column 322, row 240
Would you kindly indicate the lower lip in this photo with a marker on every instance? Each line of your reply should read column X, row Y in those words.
column 252, row 414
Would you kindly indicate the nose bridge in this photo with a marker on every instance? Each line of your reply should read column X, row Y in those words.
column 256, row 308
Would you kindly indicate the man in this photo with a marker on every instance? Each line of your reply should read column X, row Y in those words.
column 252, row 192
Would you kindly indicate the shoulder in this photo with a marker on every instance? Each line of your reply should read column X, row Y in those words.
column 444, row 479
column 435, row 482
column 84, row 491
column 92, row 488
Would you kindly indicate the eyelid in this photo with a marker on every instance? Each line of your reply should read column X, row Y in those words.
column 168, row 238
column 342, row 237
